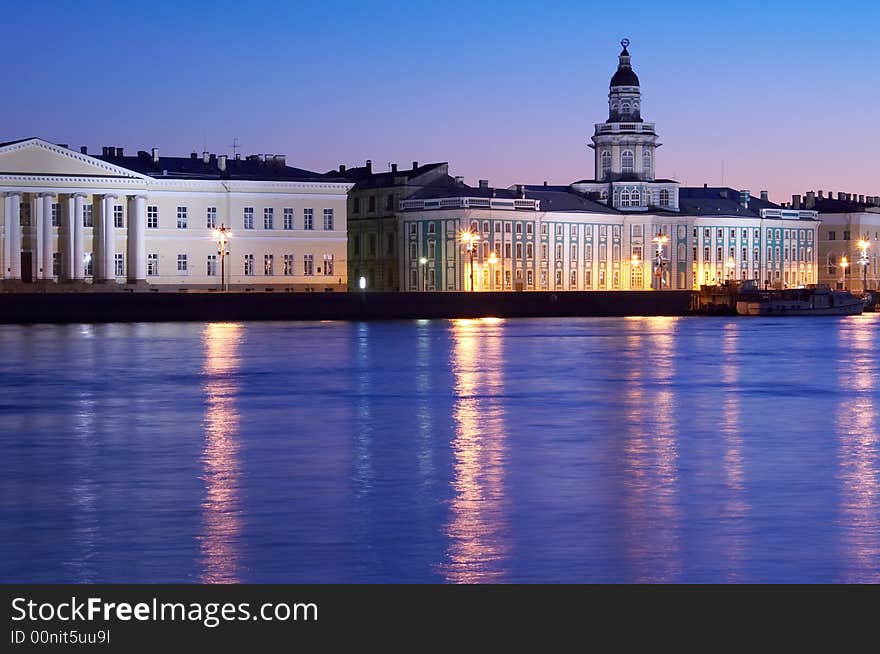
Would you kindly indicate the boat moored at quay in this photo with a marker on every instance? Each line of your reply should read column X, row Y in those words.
column 748, row 299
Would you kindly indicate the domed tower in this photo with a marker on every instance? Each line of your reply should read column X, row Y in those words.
column 624, row 144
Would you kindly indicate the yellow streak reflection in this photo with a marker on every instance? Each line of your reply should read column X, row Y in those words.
column 858, row 434
column 477, row 529
column 221, row 467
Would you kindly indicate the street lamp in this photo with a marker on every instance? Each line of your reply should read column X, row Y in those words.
column 731, row 264
column 222, row 234
column 660, row 240
column 843, row 264
column 469, row 238
column 863, row 261
column 424, row 262
column 493, row 259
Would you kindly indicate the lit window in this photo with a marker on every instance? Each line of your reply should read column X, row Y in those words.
column 248, row 264
column 308, row 264
column 268, row 264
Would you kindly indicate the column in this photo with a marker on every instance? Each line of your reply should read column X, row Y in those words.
column 47, row 249
column 108, row 239
column 15, row 235
column 37, row 232
column 137, row 246
column 78, row 244
column 65, row 238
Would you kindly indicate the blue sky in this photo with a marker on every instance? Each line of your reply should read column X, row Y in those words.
column 785, row 95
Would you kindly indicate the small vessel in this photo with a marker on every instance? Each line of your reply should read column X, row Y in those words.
column 813, row 300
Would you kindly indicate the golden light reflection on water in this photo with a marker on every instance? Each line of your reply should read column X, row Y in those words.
column 221, row 508
column 858, row 436
column 736, row 508
column 650, row 484
column 477, row 528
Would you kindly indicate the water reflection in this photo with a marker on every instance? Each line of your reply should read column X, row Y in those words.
column 858, row 467
column 736, row 508
column 477, row 531
column 221, row 508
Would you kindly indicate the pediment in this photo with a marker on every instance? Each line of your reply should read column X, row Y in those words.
column 37, row 157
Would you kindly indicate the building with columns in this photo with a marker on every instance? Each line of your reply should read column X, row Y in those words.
column 146, row 221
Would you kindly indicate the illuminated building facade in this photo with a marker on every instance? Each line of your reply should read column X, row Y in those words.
column 149, row 221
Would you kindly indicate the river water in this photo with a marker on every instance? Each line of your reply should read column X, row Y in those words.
column 549, row 450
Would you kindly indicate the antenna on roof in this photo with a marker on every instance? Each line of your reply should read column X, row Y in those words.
column 235, row 146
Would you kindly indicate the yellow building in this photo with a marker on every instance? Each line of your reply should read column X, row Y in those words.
column 149, row 221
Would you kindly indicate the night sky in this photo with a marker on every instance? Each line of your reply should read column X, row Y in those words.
column 786, row 94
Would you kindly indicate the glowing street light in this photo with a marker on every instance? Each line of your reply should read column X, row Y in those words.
column 470, row 239
column 844, row 262
column 660, row 240
column 493, row 259
column 863, row 261
column 423, row 261
column 222, row 234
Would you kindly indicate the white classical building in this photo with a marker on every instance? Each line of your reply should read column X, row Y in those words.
column 151, row 221
column 622, row 230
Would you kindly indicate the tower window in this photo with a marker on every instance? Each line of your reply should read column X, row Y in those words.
column 664, row 198
column 606, row 163
column 625, row 109
column 646, row 163
column 626, row 162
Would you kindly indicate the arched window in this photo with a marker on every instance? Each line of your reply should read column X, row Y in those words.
column 664, row 197
column 625, row 110
column 626, row 162
column 624, row 198
column 606, row 163
column 635, row 198
column 646, row 163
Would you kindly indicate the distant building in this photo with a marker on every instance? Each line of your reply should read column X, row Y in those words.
column 373, row 239
column 847, row 219
column 148, row 220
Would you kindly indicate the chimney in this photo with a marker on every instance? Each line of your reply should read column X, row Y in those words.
column 415, row 164
column 104, row 149
column 545, row 182
column 205, row 157
column 765, row 196
column 795, row 201
column 118, row 152
column 369, row 166
column 484, row 183
column 520, row 191
column 221, row 163
column 705, row 185
column 84, row 149
column 281, row 160
column 861, row 199
column 155, row 152
column 193, row 155
column 841, row 196
column 849, row 197
column 820, row 195
column 238, row 156
column 744, row 198
column 810, row 200
column 341, row 168
column 394, row 168
column 459, row 180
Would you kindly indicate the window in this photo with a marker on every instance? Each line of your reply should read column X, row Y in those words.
column 372, row 205
column 413, row 229
column 559, row 252
column 544, row 251
column 574, row 253
column 485, row 226
column 152, row 265
column 755, row 255
column 636, row 198
column 530, row 229
column 646, row 162
column 118, row 219
column 88, row 216
column 88, row 269
column 413, row 251
column 720, row 234
column 432, row 228
column 757, row 234
column 606, row 163
column 56, row 264
column 507, row 251
column 356, row 244
column 719, row 254
column 289, row 265
column 732, row 234
column 211, row 218
column 288, row 218
column 706, row 256
column 248, row 217
column 846, row 235
column 356, row 205
column 25, row 214
column 637, row 252
column 507, row 228
column 558, row 230
column 832, row 236
column 519, row 250
column 626, row 162
column 328, row 219
column 308, row 218
column 308, row 264
column 530, row 278
column 588, row 279
column 181, row 264
column 248, row 264
column 328, row 264
column 181, row 217
column 212, row 265
column 543, row 229
column 637, row 231
column 530, row 251
column 625, row 110
column 152, row 217
column 624, row 198
column 432, row 249
column 119, row 264
column 268, row 218
column 573, row 279
column 268, row 265
column 389, row 203
column 519, row 228
column 389, row 244
column 56, row 219
column 371, row 241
